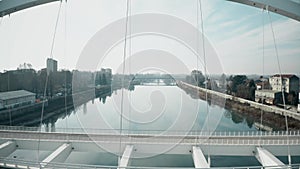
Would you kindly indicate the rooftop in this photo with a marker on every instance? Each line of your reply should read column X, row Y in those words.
column 14, row 94
column 284, row 75
column 267, row 91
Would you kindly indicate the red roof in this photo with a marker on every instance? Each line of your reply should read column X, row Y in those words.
column 284, row 75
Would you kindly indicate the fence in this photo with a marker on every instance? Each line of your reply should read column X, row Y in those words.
column 17, row 163
column 194, row 133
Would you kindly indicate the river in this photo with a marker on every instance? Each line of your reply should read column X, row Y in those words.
column 157, row 108
column 153, row 108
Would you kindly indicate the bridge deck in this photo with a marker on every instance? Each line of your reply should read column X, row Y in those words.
column 151, row 142
column 232, row 139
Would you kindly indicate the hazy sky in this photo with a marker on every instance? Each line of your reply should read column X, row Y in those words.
column 233, row 30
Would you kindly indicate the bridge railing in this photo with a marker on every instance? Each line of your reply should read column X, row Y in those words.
column 134, row 139
column 193, row 133
column 19, row 163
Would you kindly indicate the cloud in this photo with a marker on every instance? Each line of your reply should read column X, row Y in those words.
column 242, row 44
column 235, row 31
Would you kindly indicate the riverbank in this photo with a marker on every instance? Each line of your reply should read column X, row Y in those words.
column 31, row 115
column 272, row 116
column 53, row 110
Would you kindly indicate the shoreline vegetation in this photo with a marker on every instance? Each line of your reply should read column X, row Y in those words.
column 270, row 120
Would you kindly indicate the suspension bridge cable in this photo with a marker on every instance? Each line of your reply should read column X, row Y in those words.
column 55, row 29
column 47, row 79
column 197, row 43
column 281, row 86
column 197, row 59
column 65, row 54
column 206, row 76
column 263, row 71
column 129, row 64
column 123, row 78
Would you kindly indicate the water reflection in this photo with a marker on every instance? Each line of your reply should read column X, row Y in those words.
column 51, row 128
column 58, row 108
column 150, row 108
column 237, row 118
column 105, row 114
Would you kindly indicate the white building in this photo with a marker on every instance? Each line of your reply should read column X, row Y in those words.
column 287, row 82
column 16, row 98
column 51, row 65
column 268, row 96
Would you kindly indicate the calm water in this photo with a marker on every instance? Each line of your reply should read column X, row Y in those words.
column 160, row 108
column 163, row 108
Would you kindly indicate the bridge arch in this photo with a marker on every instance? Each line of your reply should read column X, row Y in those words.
column 286, row 8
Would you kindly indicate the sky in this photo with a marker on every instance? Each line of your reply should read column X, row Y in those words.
column 233, row 45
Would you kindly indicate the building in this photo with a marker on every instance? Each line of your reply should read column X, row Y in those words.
column 268, row 96
column 17, row 98
column 51, row 65
column 289, row 83
column 262, row 84
column 103, row 77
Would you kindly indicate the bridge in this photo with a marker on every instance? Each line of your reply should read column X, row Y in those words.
column 154, row 79
column 55, row 147
column 286, row 8
column 265, row 146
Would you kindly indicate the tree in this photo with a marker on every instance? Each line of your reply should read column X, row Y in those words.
column 50, row 85
column 252, row 88
column 246, row 90
column 197, row 78
column 236, row 81
column 212, row 85
column 241, row 86
column 41, row 79
column 236, row 118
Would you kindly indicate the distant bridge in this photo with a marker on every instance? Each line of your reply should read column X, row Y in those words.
column 263, row 145
column 154, row 79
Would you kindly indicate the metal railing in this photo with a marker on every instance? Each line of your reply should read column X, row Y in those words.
column 18, row 163
column 194, row 133
column 155, row 139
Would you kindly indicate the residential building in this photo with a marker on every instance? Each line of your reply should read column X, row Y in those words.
column 288, row 83
column 16, row 98
column 268, row 96
column 262, row 84
column 103, row 77
column 51, row 65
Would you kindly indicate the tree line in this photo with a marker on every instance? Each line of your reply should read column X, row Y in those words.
column 58, row 83
column 238, row 85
